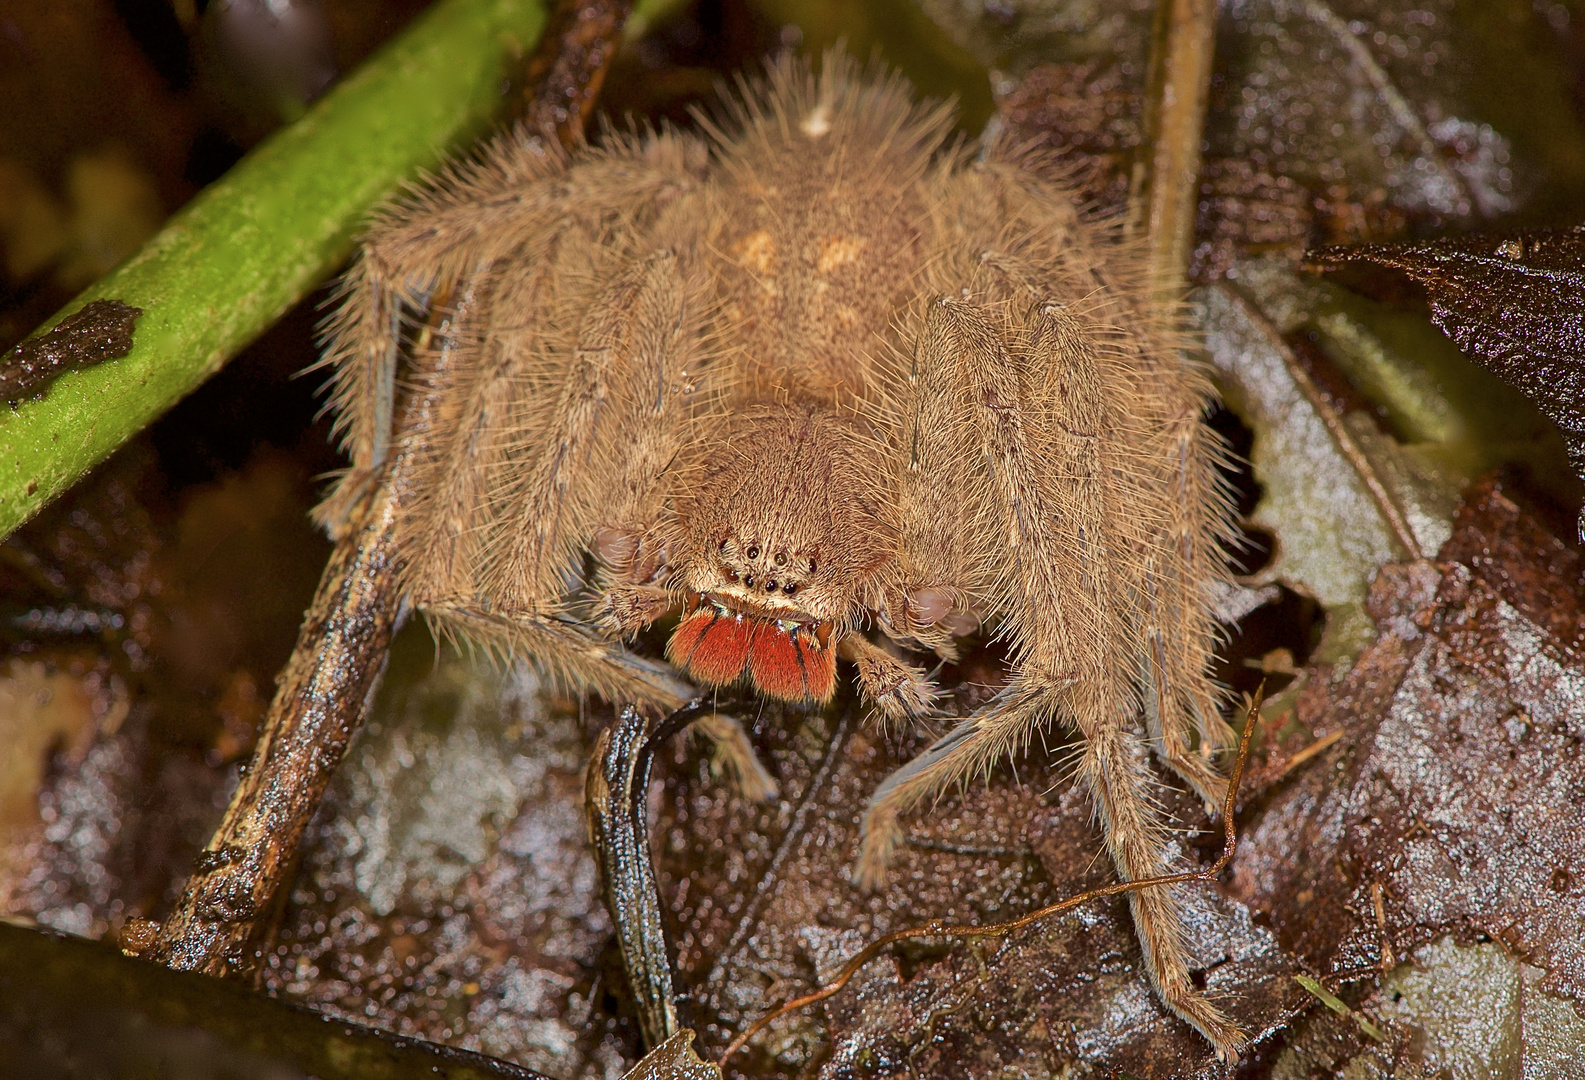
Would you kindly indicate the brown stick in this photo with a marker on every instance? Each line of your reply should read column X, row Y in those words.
column 940, row 928
column 564, row 76
column 1167, row 195
column 326, row 687
column 331, row 675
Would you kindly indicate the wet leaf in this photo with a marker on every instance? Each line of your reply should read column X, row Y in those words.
column 1340, row 497
column 1343, row 93
column 1482, row 1014
column 43, row 713
column 1466, row 1012
column 1329, row 120
column 1516, row 302
column 1088, row 114
column 766, row 911
column 448, row 889
column 1449, row 806
column 674, row 1059
column 166, row 623
column 76, row 1008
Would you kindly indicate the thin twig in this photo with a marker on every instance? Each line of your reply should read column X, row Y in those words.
column 563, row 77
column 747, row 920
column 318, row 705
column 1319, row 746
column 1167, row 194
column 938, row 928
column 1348, row 446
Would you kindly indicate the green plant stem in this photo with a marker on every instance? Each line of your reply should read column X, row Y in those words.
column 254, row 243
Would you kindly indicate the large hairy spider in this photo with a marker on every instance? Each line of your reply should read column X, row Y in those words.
column 824, row 387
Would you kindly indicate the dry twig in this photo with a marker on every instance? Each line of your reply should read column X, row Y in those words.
column 1167, row 193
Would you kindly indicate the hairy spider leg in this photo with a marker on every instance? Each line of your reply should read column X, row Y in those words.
column 976, row 366
column 513, row 206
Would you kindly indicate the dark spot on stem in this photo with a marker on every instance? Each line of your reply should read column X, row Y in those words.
column 100, row 331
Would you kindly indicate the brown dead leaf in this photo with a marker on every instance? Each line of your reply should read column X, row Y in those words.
column 1516, row 302
column 769, row 913
column 1455, row 790
column 449, row 890
column 674, row 1059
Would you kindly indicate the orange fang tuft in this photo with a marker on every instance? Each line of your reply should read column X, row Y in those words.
column 710, row 646
column 790, row 665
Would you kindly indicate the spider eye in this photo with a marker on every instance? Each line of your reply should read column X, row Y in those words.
column 748, row 579
column 771, row 586
column 789, row 588
column 781, row 558
column 753, row 552
column 811, row 566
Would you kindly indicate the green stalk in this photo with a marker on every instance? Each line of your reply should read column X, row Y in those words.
column 254, row 243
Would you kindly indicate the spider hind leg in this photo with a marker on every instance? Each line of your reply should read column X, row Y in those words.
column 1069, row 488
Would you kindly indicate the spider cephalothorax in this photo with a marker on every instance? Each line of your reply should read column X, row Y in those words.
column 821, row 387
column 777, row 543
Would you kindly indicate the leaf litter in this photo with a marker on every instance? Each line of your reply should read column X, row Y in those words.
column 760, row 896
column 1067, row 992
column 1514, row 301
column 1447, row 809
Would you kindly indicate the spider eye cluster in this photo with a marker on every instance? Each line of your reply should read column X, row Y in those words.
column 766, row 568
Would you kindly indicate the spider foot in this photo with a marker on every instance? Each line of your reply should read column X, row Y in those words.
column 1225, row 1037
column 734, row 757
column 897, row 690
column 880, row 835
column 627, row 609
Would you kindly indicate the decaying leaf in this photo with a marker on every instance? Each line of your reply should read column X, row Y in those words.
column 1329, row 120
column 674, row 1059
column 1483, row 1014
column 1450, row 804
column 1516, row 302
column 766, row 912
column 1088, row 115
column 450, row 890
column 1341, row 498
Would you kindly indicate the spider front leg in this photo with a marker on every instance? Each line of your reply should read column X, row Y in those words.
column 1061, row 490
column 515, row 199
column 898, row 690
column 475, row 212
